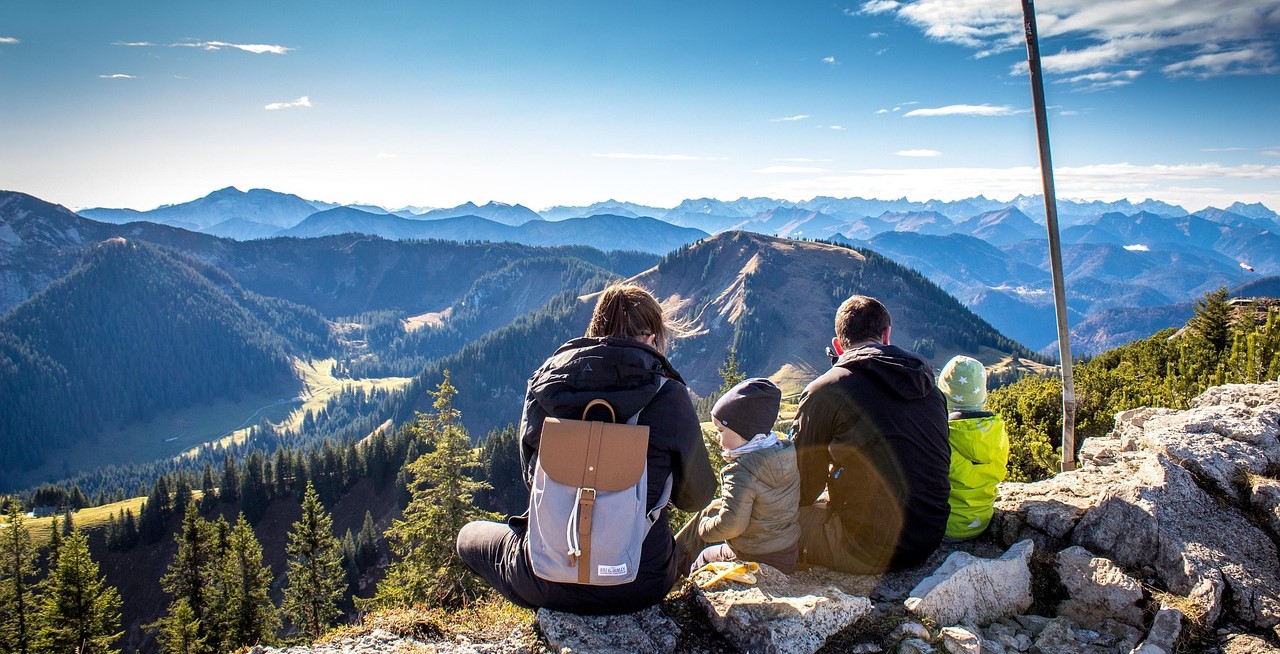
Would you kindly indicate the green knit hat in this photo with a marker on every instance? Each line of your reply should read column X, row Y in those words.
column 964, row 384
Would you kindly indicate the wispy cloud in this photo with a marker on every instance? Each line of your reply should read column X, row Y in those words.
column 799, row 160
column 384, row 155
column 791, row 170
column 1270, row 153
column 838, row 128
column 118, row 76
column 918, row 153
column 255, row 48
column 1090, row 36
column 1217, row 64
column 8, row 40
column 875, row 35
column 964, row 110
column 304, row 101
column 881, row 111
column 789, row 119
column 653, row 157
column 1137, row 247
column 829, row 60
column 880, row 6
column 1228, row 149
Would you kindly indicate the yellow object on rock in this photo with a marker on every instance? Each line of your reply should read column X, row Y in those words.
column 739, row 571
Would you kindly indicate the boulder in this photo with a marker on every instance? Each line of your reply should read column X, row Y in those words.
column 969, row 589
column 780, row 614
column 644, row 632
column 1246, row 644
column 1098, row 590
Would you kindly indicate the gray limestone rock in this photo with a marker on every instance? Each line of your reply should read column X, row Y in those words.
column 1246, row 644
column 1165, row 630
column 958, row 640
column 780, row 614
column 1098, row 590
column 645, row 632
column 1058, row 637
column 1265, row 498
column 909, row 630
column 915, row 646
column 970, row 589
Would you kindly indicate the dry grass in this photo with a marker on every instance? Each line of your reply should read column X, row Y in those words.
column 491, row 619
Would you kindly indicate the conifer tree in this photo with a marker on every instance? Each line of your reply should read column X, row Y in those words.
column 180, row 630
column 208, row 490
column 730, row 373
column 190, row 576
column 229, row 486
column 79, row 612
column 55, row 545
column 18, row 601
column 366, row 543
column 247, row 615
column 1212, row 320
column 315, row 569
column 441, row 502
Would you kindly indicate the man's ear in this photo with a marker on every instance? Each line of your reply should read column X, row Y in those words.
column 887, row 331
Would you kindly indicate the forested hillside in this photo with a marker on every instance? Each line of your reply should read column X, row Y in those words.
column 134, row 330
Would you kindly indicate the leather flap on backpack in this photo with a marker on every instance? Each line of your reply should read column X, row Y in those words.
column 589, row 454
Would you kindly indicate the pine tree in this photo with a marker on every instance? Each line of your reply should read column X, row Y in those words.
column 1212, row 320
column 500, row 455
column 79, row 612
column 55, row 545
column 208, row 490
column 180, row 630
column 247, row 615
column 366, row 543
column 315, row 569
column 18, row 602
column 254, row 494
column 730, row 373
column 188, row 579
column 429, row 570
column 229, row 487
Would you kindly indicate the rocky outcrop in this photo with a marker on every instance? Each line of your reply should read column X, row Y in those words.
column 780, row 614
column 1163, row 497
column 1098, row 590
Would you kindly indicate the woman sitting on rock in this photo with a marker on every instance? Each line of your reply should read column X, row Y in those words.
column 620, row 360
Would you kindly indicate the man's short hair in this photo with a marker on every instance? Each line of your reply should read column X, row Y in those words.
column 861, row 318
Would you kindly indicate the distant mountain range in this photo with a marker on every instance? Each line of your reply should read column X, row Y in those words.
column 1118, row 255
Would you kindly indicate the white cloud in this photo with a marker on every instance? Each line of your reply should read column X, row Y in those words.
column 791, row 169
column 8, row 40
column 255, row 48
column 135, row 44
column 1229, row 149
column 829, row 60
column 1270, row 153
column 964, row 110
column 882, row 111
column 918, row 153
column 304, row 101
column 1068, row 112
column 384, row 155
column 1090, row 35
column 879, row 6
column 1216, row 64
column 1137, row 247
column 875, row 35
column 799, row 160
column 653, row 157
column 789, row 119
column 117, row 76
column 838, row 128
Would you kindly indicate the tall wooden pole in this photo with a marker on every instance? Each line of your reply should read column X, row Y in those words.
column 1055, row 245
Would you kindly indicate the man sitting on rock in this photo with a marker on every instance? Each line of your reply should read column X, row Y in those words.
column 872, row 433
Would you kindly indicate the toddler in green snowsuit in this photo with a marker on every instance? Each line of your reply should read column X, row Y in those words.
column 979, row 447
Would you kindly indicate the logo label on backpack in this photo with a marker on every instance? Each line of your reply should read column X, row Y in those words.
column 611, row 570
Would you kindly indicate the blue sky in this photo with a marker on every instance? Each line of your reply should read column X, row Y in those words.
column 436, row 103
